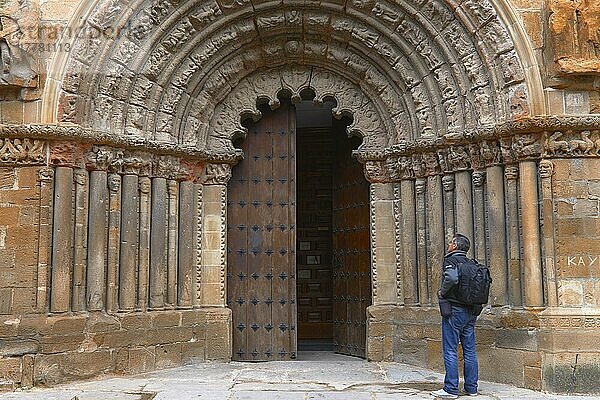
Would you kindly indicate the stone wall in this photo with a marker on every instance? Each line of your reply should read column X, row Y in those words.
column 101, row 259
column 19, row 235
column 39, row 349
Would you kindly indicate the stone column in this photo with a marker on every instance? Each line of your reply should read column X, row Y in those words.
column 548, row 224
column 435, row 234
column 420, row 188
column 464, row 206
column 449, row 206
column 173, row 193
column 46, row 178
column 188, row 219
column 198, row 298
column 114, row 237
column 478, row 240
column 532, row 263
column 80, row 239
column 515, row 295
column 496, row 219
column 214, row 234
column 130, row 232
column 409, row 242
column 145, row 184
column 158, row 244
column 383, row 243
column 398, row 218
column 97, row 240
column 62, row 241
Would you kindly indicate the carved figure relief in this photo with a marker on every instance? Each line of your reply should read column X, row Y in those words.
column 22, row 152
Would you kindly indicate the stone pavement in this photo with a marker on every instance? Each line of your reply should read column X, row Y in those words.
column 316, row 375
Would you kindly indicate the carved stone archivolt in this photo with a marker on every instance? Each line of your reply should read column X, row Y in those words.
column 402, row 71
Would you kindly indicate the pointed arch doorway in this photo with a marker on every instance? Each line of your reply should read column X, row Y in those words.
column 298, row 237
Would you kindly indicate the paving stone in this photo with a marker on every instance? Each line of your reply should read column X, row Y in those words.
column 329, row 377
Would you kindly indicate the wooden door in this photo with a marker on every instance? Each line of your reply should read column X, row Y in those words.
column 262, row 241
column 351, row 252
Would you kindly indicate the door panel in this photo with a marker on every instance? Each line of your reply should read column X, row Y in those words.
column 351, row 252
column 261, row 241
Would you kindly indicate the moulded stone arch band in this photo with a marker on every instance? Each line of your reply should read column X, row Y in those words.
column 265, row 87
column 439, row 67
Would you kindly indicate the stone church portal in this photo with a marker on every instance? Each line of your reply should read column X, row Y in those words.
column 167, row 195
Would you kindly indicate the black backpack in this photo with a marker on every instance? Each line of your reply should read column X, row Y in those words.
column 474, row 283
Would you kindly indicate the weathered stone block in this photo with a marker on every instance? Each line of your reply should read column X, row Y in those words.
column 166, row 319
column 27, row 177
column 99, row 322
column 533, row 378
column 61, row 344
column 518, row 339
column 136, row 321
column 6, row 300
column 10, row 369
column 18, row 347
column 193, row 351
column 571, row 373
column 510, row 360
column 168, row 355
column 58, row 368
column 8, row 178
column 141, row 359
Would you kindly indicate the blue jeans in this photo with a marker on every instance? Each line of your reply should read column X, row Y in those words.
column 459, row 327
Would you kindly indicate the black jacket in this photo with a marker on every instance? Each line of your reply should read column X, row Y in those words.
column 450, row 275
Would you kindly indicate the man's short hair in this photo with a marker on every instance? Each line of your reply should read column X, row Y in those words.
column 462, row 242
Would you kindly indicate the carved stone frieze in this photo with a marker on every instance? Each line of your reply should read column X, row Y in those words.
column 22, row 151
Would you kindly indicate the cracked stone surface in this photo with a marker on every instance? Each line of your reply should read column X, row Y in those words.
column 314, row 376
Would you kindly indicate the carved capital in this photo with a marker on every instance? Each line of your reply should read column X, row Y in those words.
column 22, row 152
column 546, row 169
column 527, row 146
column 103, row 158
column 405, row 165
column 478, row 179
column 217, row 174
column 170, row 168
column 375, row 172
column 448, row 183
column 458, row 159
column 511, row 172
column 137, row 164
column 45, row 175
column 475, row 154
column 431, row 164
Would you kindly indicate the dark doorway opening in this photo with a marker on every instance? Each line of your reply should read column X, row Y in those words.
column 333, row 260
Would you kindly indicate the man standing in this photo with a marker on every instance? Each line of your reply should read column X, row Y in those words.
column 458, row 326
